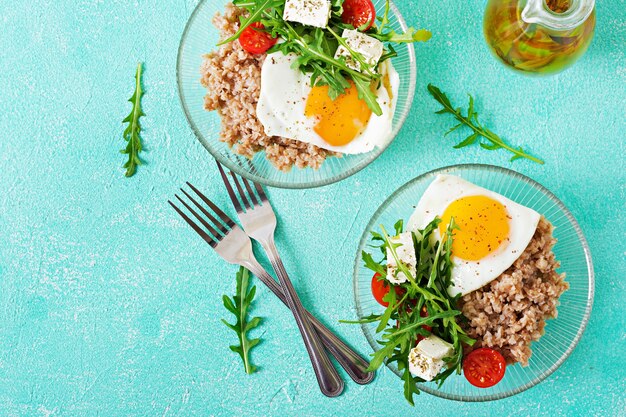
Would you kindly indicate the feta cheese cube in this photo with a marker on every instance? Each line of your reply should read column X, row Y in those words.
column 308, row 12
column 406, row 254
column 426, row 359
column 371, row 49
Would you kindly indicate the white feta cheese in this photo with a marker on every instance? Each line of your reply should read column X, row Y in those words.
column 308, row 12
column 371, row 49
column 406, row 254
column 426, row 359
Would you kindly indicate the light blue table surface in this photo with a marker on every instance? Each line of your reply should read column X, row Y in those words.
column 110, row 306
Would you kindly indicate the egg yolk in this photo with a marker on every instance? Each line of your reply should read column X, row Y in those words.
column 341, row 120
column 483, row 226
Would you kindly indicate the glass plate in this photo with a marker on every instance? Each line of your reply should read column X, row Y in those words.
column 200, row 37
column 561, row 334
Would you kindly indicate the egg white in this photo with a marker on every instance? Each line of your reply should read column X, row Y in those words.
column 468, row 276
column 282, row 102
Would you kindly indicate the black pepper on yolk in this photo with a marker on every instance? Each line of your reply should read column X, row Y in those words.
column 483, row 226
column 341, row 120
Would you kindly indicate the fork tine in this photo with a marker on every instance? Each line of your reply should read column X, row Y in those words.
column 194, row 226
column 229, row 222
column 251, row 167
column 242, row 194
column 206, row 224
column 254, row 200
column 229, row 188
column 216, row 222
column 260, row 190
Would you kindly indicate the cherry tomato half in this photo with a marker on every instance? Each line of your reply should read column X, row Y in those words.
column 484, row 367
column 358, row 13
column 254, row 40
column 380, row 288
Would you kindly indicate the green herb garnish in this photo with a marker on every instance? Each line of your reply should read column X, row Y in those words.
column 401, row 322
column 494, row 141
column 131, row 133
column 316, row 47
column 239, row 306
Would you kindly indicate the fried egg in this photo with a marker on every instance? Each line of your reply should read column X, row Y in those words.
column 493, row 230
column 290, row 107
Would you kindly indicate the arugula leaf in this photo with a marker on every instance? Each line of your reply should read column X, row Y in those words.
column 376, row 236
column 316, row 47
column 366, row 94
column 367, row 319
column 471, row 120
column 370, row 263
column 239, row 306
column 398, row 227
column 426, row 289
column 358, row 57
column 423, row 321
column 388, row 55
column 410, row 386
column 256, row 11
column 384, row 20
column 131, row 133
column 378, row 358
column 410, row 36
column 390, row 299
column 445, row 275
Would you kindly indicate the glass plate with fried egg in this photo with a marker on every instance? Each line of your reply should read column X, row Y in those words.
column 295, row 109
column 509, row 233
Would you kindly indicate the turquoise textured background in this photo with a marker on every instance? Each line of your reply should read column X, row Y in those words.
column 110, row 306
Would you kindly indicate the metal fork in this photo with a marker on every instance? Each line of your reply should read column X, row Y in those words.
column 259, row 222
column 235, row 247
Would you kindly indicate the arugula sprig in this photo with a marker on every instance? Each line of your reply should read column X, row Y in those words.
column 239, row 305
column 316, row 47
column 494, row 141
column 256, row 9
column 427, row 288
column 131, row 133
column 315, row 55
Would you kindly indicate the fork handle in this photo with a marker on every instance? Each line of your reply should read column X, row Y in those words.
column 328, row 379
column 349, row 360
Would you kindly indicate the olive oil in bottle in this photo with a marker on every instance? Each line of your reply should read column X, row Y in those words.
column 539, row 36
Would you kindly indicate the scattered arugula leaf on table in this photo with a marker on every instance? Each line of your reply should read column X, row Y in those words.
column 494, row 141
column 239, row 306
column 131, row 133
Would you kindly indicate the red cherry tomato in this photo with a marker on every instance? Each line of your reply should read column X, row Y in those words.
column 484, row 367
column 380, row 288
column 358, row 13
column 254, row 40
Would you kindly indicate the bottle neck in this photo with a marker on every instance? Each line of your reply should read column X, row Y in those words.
column 537, row 11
